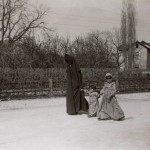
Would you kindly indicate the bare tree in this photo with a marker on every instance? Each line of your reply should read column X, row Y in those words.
column 124, row 31
column 115, row 38
column 43, row 54
column 17, row 17
column 94, row 50
column 66, row 45
column 131, row 32
column 128, row 31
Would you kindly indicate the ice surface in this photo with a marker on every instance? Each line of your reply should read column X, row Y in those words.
column 43, row 124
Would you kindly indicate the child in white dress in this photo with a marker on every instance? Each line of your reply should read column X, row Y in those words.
column 93, row 102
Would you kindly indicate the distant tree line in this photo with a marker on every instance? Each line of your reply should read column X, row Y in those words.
column 96, row 50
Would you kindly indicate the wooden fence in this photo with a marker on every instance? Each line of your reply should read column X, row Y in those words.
column 58, row 88
column 53, row 82
column 33, row 89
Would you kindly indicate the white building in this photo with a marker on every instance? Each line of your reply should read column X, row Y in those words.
column 141, row 58
column 142, row 55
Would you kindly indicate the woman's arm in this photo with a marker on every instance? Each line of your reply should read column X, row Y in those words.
column 111, row 91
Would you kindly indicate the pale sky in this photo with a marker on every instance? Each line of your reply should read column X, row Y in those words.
column 76, row 17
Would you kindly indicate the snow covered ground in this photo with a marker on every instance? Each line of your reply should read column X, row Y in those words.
column 43, row 124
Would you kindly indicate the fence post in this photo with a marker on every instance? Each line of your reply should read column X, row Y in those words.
column 50, row 87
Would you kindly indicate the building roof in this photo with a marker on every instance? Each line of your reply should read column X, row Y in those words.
column 144, row 44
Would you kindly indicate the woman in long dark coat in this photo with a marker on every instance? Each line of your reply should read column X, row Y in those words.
column 75, row 99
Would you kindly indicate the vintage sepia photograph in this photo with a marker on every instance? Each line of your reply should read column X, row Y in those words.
column 74, row 75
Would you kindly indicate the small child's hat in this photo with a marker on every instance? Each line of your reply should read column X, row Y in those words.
column 108, row 75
